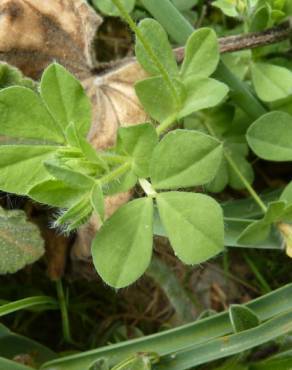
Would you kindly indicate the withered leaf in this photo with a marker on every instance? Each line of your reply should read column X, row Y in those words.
column 33, row 33
column 115, row 102
column 20, row 241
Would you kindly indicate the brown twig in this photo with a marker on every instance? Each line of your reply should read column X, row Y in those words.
column 249, row 40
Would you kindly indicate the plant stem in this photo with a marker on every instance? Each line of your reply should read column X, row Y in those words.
column 118, row 172
column 247, row 185
column 166, row 124
column 64, row 312
column 239, row 91
column 147, row 48
column 235, row 168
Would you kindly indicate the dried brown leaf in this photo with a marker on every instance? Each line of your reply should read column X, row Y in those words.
column 33, row 33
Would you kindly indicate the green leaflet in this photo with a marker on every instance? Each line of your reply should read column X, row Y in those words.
column 242, row 318
column 186, row 218
column 138, row 143
column 185, row 158
column 55, row 193
column 262, row 133
column 260, row 19
column 70, row 177
column 66, row 99
column 271, row 82
column 157, row 98
column 108, row 8
column 21, row 166
column 259, row 230
column 201, row 54
column 23, row 115
column 157, row 39
column 20, row 241
column 201, row 93
column 122, row 249
column 228, row 7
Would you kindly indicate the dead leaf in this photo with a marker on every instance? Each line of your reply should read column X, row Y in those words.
column 115, row 103
column 33, row 33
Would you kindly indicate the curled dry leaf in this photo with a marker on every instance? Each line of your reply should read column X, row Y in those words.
column 34, row 33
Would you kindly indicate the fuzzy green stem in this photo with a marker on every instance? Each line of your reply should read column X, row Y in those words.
column 118, row 172
column 64, row 312
column 166, row 124
column 147, row 48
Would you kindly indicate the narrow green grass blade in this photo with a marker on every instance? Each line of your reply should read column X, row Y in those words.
column 26, row 303
column 176, row 25
column 173, row 340
column 228, row 345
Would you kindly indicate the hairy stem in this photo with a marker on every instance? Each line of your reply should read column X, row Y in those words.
column 113, row 175
column 165, row 125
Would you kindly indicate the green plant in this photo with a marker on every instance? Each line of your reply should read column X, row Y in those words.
column 55, row 164
column 213, row 124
